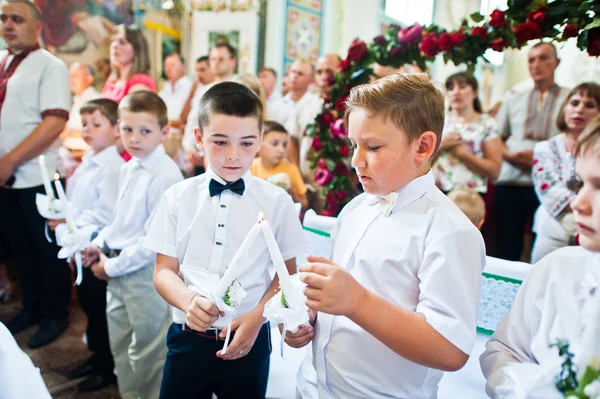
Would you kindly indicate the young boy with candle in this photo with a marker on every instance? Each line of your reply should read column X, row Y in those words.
column 137, row 316
column 197, row 230
column 92, row 190
column 397, row 304
column 556, row 300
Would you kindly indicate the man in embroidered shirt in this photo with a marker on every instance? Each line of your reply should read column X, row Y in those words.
column 524, row 120
column 34, row 104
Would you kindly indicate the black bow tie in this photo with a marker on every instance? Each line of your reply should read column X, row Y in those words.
column 216, row 188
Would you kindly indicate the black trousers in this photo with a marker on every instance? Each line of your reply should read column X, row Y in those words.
column 193, row 370
column 514, row 208
column 45, row 279
column 92, row 299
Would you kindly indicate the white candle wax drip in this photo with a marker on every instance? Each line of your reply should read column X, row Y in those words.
column 68, row 212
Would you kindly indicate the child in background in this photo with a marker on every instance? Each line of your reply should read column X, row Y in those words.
column 397, row 304
column 554, row 300
column 137, row 315
column 270, row 161
column 92, row 189
column 470, row 203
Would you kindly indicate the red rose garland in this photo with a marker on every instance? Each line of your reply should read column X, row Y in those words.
column 416, row 45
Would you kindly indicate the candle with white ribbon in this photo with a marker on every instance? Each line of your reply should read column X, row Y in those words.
column 45, row 178
column 66, row 207
column 233, row 269
column 285, row 281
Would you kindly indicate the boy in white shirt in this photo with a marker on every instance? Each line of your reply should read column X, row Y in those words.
column 198, row 227
column 92, row 189
column 555, row 298
column 137, row 316
column 398, row 302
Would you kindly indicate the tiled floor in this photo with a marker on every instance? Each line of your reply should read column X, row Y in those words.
column 58, row 358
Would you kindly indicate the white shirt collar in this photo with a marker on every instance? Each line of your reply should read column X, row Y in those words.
column 406, row 195
column 211, row 174
column 150, row 160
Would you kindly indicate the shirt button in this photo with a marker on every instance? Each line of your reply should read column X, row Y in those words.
column 223, row 206
column 221, row 225
column 218, row 243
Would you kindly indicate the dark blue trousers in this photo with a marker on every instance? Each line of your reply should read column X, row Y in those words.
column 193, row 370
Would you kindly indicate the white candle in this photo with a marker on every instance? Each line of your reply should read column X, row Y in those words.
column 45, row 178
column 590, row 340
column 66, row 207
column 233, row 269
column 284, row 277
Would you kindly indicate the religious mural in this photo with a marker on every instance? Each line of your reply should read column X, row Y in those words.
column 303, row 31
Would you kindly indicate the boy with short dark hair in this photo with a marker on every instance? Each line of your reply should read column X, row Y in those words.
column 137, row 315
column 199, row 225
column 402, row 288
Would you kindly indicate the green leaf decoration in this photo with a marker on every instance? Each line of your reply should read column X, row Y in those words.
column 283, row 301
column 476, row 17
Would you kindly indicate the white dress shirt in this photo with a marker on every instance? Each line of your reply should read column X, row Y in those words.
column 189, row 139
column 93, row 187
column 39, row 84
column 204, row 233
column 278, row 109
column 175, row 97
column 548, row 307
column 422, row 254
column 74, row 122
column 142, row 183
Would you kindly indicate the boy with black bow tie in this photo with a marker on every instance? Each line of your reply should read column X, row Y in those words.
column 198, row 227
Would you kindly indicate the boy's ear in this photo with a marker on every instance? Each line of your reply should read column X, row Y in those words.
column 480, row 224
column 117, row 131
column 427, row 142
column 164, row 133
column 199, row 138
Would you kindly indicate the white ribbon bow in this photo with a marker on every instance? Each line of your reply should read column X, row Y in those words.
column 72, row 243
column 386, row 203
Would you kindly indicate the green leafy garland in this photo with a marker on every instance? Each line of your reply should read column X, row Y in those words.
column 524, row 20
column 567, row 382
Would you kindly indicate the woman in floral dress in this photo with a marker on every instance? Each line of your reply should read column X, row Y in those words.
column 471, row 149
column 554, row 172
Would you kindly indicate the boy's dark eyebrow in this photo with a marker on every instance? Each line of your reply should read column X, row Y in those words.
column 253, row 136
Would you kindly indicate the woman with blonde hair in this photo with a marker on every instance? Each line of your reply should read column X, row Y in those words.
column 553, row 171
column 253, row 83
column 129, row 57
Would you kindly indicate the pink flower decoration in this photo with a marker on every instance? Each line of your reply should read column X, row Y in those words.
column 323, row 176
column 338, row 130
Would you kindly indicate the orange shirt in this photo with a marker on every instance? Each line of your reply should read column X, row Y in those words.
column 258, row 170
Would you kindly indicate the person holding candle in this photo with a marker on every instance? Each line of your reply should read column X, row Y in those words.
column 205, row 228
column 558, row 298
column 402, row 288
column 137, row 316
column 92, row 190
column 34, row 108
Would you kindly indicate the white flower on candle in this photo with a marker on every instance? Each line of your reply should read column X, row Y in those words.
column 235, row 294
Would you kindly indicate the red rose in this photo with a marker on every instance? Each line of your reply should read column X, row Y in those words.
column 331, row 201
column 340, row 104
column 344, row 150
column 411, row 35
column 498, row 45
column 344, row 65
column 316, row 144
column 458, row 38
column 357, row 51
column 544, row 186
column 322, row 163
column 480, row 31
column 571, row 30
column 380, row 40
column 341, row 169
column 328, row 212
column 341, row 195
column 539, row 16
column 593, row 46
column 430, row 45
column 446, row 42
column 527, row 31
column 396, row 51
column 326, row 118
column 497, row 19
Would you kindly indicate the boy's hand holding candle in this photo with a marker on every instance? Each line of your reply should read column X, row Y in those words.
column 201, row 313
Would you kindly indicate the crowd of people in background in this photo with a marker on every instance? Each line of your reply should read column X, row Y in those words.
column 519, row 163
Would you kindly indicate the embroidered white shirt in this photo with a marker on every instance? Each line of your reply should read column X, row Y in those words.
column 425, row 256
column 175, row 97
column 93, row 187
column 278, row 109
column 142, row 183
column 40, row 83
column 551, row 304
column 204, row 233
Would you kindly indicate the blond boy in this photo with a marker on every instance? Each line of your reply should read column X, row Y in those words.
column 470, row 203
column 397, row 303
